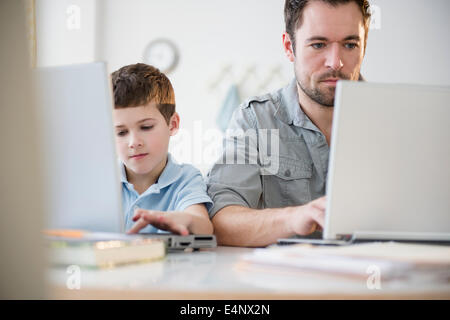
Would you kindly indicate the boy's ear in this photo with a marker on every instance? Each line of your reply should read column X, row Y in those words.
column 174, row 124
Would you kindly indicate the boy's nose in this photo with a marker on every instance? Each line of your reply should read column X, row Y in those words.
column 135, row 142
column 135, row 145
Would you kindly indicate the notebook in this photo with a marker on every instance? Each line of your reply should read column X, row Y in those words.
column 392, row 259
column 100, row 250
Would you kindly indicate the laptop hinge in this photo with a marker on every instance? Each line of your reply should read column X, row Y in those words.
column 344, row 237
column 400, row 236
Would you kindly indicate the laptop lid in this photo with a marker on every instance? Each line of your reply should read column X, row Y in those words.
column 389, row 172
column 81, row 171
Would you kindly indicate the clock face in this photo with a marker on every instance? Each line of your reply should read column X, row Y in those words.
column 162, row 54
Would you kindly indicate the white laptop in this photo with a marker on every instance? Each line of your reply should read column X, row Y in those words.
column 80, row 163
column 389, row 168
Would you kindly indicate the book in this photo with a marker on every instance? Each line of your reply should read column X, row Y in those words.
column 101, row 250
column 392, row 259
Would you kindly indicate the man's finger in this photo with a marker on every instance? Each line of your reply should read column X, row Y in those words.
column 320, row 203
column 313, row 228
column 318, row 216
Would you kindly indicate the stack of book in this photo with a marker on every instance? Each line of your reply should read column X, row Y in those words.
column 100, row 249
column 391, row 259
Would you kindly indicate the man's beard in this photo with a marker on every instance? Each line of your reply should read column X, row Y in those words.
column 323, row 97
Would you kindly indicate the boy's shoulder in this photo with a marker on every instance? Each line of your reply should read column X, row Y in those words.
column 185, row 168
column 179, row 173
column 188, row 186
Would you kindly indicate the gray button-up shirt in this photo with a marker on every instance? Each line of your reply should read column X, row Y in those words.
column 297, row 156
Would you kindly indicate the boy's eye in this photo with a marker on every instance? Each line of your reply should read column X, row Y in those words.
column 318, row 45
column 146, row 127
column 121, row 133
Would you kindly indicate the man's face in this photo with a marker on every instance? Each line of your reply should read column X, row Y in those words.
column 142, row 137
column 329, row 45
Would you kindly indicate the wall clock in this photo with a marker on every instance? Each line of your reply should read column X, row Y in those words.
column 162, row 54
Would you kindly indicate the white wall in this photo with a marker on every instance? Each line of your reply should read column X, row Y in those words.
column 411, row 46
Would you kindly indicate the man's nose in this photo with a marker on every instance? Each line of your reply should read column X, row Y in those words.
column 334, row 59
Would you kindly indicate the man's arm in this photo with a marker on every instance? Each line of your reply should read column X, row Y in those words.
column 241, row 226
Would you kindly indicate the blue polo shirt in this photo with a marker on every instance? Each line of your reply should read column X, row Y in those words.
column 178, row 187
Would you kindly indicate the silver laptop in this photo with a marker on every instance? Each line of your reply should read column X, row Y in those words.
column 81, row 169
column 389, row 168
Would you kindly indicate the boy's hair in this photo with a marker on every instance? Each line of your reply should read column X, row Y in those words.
column 139, row 84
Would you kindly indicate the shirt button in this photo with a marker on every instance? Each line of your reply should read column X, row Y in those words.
column 287, row 173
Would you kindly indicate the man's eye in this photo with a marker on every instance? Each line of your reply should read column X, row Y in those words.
column 318, row 45
column 351, row 45
column 146, row 127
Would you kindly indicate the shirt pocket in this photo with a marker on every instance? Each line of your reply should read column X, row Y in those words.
column 290, row 186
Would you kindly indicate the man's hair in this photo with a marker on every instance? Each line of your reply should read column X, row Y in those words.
column 293, row 14
column 139, row 84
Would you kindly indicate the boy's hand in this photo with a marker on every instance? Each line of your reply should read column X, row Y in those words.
column 175, row 222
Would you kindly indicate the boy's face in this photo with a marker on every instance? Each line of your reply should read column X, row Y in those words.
column 142, row 137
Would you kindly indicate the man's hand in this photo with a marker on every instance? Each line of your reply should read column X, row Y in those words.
column 241, row 226
column 309, row 217
column 175, row 222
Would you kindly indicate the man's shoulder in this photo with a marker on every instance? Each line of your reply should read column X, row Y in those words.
column 258, row 111
column 265, row 101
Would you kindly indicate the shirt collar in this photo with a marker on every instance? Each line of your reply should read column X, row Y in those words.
column 123, row 173
column 168, row 176
column 289, row 110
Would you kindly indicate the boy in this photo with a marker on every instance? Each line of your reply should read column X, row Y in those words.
column 144, row 120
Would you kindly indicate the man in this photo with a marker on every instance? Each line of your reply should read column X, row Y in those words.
column 325, row 40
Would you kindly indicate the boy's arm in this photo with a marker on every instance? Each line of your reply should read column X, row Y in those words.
column 194, row 219
column 200, row 224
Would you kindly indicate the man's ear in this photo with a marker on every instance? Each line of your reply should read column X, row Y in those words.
column 174, row 124
column 288, row 47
